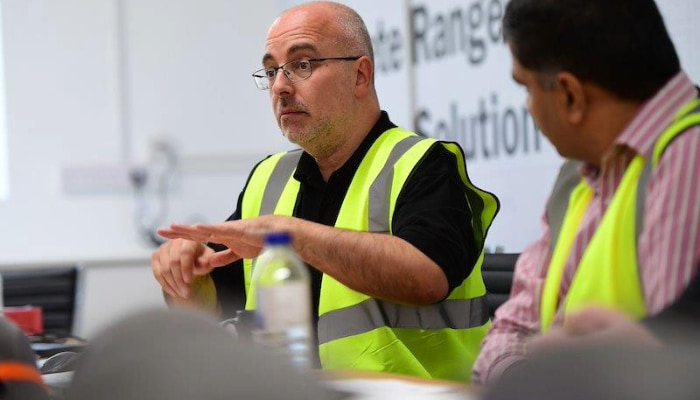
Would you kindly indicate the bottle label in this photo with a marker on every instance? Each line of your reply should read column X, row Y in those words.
column 281, row 307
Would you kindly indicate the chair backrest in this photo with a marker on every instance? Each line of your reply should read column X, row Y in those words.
column 497, row 270
column 52, row 289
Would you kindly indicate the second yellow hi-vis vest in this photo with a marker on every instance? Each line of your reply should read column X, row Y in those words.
column 356, row 331
column 608, row 273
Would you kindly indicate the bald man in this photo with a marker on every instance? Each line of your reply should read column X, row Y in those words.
column 388, row 222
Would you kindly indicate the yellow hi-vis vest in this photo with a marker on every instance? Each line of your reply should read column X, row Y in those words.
column 608, row 273
column 356, row 331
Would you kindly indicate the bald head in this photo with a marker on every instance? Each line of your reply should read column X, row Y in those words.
column 349, row 31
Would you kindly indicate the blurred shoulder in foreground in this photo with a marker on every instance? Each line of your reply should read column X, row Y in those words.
column 605, row 372
column 19, row 377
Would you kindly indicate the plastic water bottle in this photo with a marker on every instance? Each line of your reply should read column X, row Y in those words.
column 283, row 301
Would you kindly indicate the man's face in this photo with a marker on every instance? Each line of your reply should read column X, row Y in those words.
column 542, row 102
column 309, row 112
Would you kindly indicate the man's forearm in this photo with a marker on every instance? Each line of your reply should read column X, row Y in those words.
column 499, row 352
column 378, row 265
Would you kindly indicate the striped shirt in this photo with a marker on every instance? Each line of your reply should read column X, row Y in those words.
column 669, row 245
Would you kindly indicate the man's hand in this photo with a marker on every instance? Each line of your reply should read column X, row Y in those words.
column 176, row 262
column 594, row 326
column 244, row 238
column 379, row 265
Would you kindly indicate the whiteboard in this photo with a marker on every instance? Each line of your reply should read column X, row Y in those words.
column 4, row 161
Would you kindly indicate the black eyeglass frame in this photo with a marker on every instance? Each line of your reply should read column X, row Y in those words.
column 261, row 73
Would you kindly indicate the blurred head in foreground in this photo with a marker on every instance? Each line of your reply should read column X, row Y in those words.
column 182, row 355
column 605, row 372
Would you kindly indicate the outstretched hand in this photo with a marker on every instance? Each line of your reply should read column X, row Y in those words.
column 244, row 238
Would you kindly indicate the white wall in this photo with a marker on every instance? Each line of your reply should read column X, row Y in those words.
column 95, row 82
column 4, row 184
column 61, row 100
column 92, row 83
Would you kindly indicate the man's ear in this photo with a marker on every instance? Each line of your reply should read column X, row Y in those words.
column 364, row 75
column 574, row 101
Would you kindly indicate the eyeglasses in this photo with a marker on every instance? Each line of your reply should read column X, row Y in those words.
column 295, row 71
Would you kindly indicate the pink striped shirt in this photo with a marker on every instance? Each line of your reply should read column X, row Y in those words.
column 669, row 246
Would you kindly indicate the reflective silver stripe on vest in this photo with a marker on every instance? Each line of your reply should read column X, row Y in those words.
column 567, row 180
column 381, row 187
column 372, row 314
column 641, row 199
column 281, row 173
column 558, row 202
column 278, row 180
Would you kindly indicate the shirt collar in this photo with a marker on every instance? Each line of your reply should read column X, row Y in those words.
column 655, row 115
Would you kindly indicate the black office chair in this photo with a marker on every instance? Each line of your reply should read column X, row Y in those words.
column 52, row 289
column 497, row 270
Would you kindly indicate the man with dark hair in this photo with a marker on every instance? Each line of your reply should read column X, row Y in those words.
column 605, row 86
column 621, row 46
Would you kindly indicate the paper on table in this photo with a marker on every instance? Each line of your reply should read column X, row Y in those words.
column 390, row 389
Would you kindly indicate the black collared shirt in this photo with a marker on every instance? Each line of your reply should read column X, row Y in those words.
column 431, row 213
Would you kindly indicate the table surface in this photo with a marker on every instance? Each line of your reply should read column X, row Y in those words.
column 354, row 385
column 367, row 385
